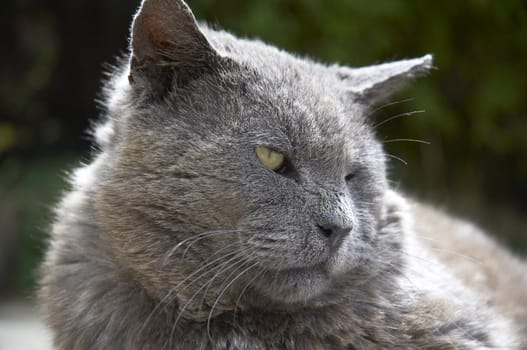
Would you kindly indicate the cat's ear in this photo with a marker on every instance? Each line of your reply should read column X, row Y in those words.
column 167, row 46
column 372, row 84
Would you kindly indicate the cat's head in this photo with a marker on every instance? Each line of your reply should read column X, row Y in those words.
column 232, row 163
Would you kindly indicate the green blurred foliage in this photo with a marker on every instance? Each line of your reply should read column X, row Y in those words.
column 28, row 190
column 475, row 101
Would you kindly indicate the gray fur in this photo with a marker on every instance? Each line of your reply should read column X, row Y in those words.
column 176, row 236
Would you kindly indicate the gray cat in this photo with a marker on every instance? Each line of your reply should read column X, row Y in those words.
column 239, row 200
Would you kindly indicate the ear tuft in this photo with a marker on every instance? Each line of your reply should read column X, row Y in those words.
column 372, row 84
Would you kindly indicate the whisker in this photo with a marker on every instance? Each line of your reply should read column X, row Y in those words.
column 204, row 267
column 258, row 274
column 176, row 288
column 399, row 159
column 152, row 313
column 196, row 238
column 408, row 140
column 209, row 282
column 407, row 114
column 222, row 268
column 182, row 309
column 226, row 231
column 391, row 104
column 223, row 292
column 239, row 264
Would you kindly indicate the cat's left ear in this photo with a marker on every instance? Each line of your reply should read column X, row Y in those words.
column 167, row 46
column 372, row 84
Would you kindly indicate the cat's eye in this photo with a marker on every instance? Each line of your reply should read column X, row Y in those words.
column 271, row 159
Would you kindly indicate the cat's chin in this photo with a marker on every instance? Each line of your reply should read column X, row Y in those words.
column 294, row 285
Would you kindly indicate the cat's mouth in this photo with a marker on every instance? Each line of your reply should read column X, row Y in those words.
column 300, row 284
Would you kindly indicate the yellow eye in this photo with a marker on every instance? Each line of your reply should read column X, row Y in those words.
column 270, row 159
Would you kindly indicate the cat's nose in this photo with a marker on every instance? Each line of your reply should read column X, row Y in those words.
column 335, row 232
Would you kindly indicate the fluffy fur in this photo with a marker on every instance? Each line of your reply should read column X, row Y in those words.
column 176, row 237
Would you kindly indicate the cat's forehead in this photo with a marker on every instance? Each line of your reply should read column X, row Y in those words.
column 294, row 96
column 293, row 113
column 301, row 110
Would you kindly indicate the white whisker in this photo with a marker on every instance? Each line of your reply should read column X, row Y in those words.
column 407, row 140
column 258, row 274
column 407, row 114
column 187, row 304
column 397, row 158
column 223, row 292
column 391, row 104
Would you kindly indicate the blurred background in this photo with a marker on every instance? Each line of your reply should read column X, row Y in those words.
column 54, row 52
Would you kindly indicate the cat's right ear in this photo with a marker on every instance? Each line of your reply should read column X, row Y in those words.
column 167, row 47
column 372, row 84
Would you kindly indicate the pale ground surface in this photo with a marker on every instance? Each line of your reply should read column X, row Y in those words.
column 21, row 327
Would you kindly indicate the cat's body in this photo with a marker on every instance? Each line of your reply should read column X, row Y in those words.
column 177, row 237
